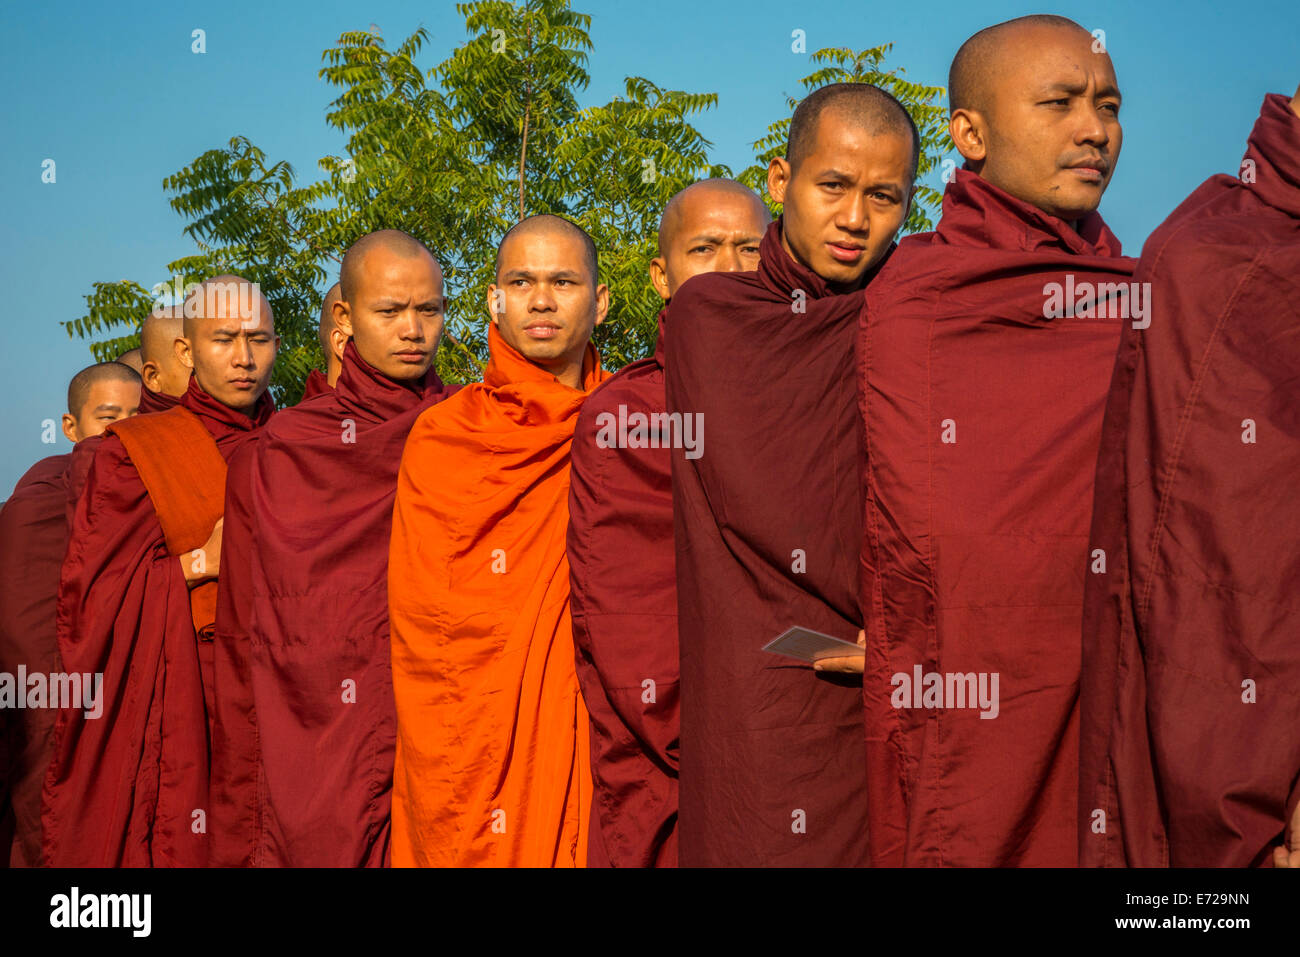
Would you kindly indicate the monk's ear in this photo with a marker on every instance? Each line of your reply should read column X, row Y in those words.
column 343, row 318
column 150, row 373
column 183, row 352
column 966, row 127
column 602, row 303
column 496, row 299
column 70, row 428
column 779, row 174
column 659, row 276
column 338, row 340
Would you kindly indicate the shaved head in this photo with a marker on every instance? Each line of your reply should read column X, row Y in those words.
column 862, row 105
column 225, row 297
column 391, row 307
column 163, row 371
column 715, row 225
column 131, row 358
column 79, row 387
column 392, row 241
column 229, row 341
column 1034, row 110
column 707, row 192
column 545, row 223
column 977, row 66
column 98, row 396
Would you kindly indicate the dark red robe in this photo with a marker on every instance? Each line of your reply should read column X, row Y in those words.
column 151, row 401
column 306, row 730
column 33, row 538
column 624, row 604
column 1182, row 762
column 123, row 789
column 983, row 367
column 316, row 384
column 768, row 524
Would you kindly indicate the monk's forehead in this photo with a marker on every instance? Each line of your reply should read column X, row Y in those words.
column 704, row 208
column 381, row 261
column 1033, row 57
column 543, row 246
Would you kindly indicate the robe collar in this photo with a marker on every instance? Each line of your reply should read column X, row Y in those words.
column 977, row 213
column 151, row 401
column 1274, row 146
column 220, row 419
column 363, row 389
column 506, row 366
column 778, row 271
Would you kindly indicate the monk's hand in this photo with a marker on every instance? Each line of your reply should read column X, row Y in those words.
column 204, row 563
column 1289, row 856
column 851, row 664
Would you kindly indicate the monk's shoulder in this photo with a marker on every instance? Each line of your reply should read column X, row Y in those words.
column 1222, row 222
column 50, row 470
column 708, row 292
column 638, row 383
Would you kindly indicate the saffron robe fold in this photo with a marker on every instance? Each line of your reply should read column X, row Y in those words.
column 130, row 788
column 767, row 526
column 316, row 384
column 624, row 605
column 302, row 768
column 983, row 367
column 493, row 763
column 33, row 538
column 1190, row 749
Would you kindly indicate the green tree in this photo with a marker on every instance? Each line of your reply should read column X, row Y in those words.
column 455, row 155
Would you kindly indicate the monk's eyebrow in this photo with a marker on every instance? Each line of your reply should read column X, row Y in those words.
column 108, row 407
column 713, row 238
column 834, row 174
column 1110, row 90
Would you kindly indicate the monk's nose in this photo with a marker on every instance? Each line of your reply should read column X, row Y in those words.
column 854, row 214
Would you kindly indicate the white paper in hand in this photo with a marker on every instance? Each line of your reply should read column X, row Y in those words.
column 812, row 646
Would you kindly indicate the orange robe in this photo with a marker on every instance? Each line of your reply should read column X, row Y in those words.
column 493, row 763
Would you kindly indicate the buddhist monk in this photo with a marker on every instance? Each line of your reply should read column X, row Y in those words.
column 166, row 377
column 493, row 765
column 1190, row 751
column 984, row 355
column 133, row 359
column 766, row 502
column 137, row 599
column 332, row 341
column 33, row 538
column 620, row 549
column 303, row 763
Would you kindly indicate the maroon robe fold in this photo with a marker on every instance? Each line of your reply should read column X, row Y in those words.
column 316, row 384
column 125, row 788
column 624, row 604
column 767, row 524
column 33, row 538
column 983, row 366
column 1182, row 762
column 306, row 731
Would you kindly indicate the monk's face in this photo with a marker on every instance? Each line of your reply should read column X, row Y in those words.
column 231, row 350
column 1050, row 135
column 106, row 402
column 714, row 231
column 549, row 302
column 845, row 201
column 395, row 317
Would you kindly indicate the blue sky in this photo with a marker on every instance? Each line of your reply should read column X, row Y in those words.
column 113, row 93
